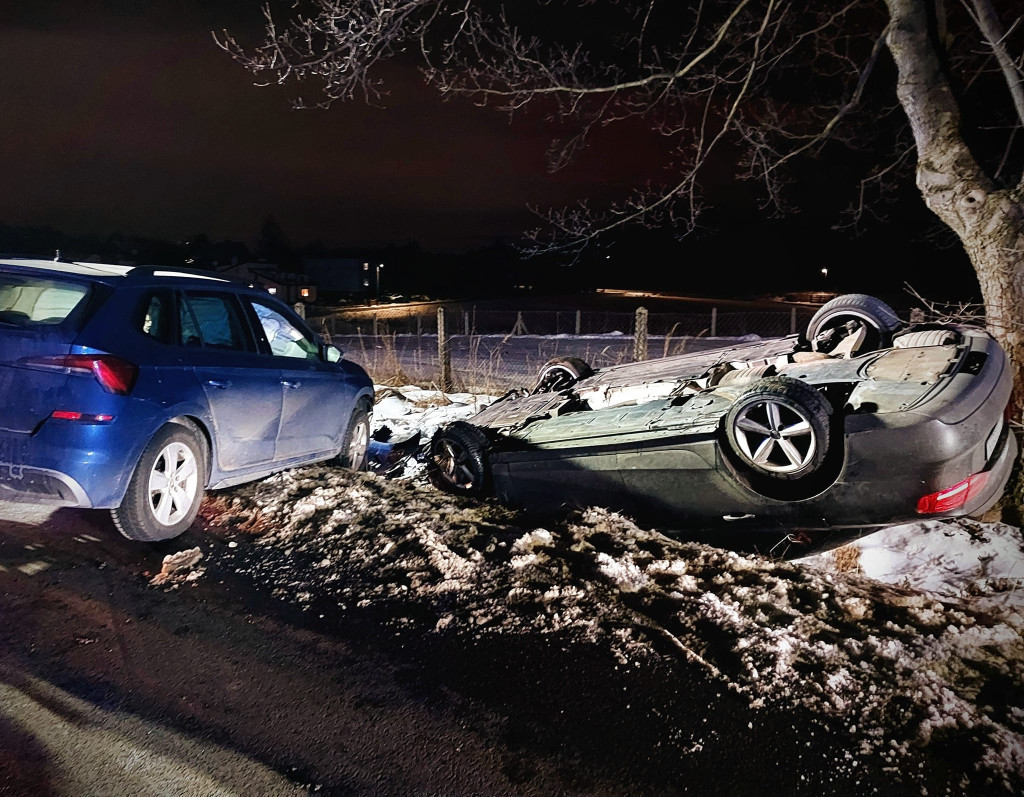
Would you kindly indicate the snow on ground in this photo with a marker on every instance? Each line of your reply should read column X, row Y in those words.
column 912, row 636
column 399, row 413
column 956, row 559
column 408, row 409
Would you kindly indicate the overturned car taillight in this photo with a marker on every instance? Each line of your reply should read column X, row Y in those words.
column 952, row 497
column 116, row 375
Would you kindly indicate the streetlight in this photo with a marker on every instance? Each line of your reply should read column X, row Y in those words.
column 379, row 267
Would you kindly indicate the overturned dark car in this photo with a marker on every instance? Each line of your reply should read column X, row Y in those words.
column 860, row 421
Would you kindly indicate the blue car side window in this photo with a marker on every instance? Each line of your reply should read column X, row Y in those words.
column 213, row 320
column 188, row 331
column 285, row 339
column 156, row 320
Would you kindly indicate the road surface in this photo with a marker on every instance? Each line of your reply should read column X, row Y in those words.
column 111, row 686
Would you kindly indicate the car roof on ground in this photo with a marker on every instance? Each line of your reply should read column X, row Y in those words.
column 110, row 273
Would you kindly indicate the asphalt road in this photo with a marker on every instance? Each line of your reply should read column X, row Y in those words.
column 111, row 686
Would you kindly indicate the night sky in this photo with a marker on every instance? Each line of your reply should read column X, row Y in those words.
column 125, row 117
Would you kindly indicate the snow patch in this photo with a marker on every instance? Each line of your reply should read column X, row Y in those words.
column 179, row 568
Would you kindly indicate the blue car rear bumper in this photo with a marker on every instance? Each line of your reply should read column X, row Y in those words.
column 71, row 463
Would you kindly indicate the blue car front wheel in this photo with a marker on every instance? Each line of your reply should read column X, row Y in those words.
column 357, row 440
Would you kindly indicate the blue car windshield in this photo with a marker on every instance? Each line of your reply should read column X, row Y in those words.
column 27, row 300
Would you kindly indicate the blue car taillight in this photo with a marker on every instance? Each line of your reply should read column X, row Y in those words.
column 71, row 415
column 115, row 374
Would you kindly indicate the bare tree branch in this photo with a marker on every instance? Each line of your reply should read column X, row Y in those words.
column 987, row 20
column 771, row 82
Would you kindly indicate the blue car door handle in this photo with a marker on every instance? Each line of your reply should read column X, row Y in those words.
column 290, row 383
column 218, row 383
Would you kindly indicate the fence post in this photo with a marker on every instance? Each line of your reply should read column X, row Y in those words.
column 640, row 335
column 465, row 321
column 520, row 327
column 578, row 319
column 375, row 325
column 419, row 327
column 444, row 353
column 792, row 321
column 714, row 322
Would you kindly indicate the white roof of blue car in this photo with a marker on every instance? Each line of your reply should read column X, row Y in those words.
column 100, row 269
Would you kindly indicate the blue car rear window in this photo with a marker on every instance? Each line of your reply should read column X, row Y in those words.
column 26, row 300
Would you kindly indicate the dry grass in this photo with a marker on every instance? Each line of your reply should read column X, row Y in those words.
column 483, row 366
column 846, row 559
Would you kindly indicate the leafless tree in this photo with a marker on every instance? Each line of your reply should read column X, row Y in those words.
column 764, row 84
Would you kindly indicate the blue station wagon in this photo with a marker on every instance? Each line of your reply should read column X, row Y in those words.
column 134, row 389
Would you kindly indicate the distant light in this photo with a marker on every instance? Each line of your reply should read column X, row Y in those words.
column 824, row 272
column 189, row 260
column 271, row 290
column 366, row 266
column 305, row 293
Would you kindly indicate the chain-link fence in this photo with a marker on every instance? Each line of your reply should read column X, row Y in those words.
column 494, row 350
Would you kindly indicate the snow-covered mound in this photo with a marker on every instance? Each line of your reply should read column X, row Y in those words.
column 901, row 667
column 959, row 559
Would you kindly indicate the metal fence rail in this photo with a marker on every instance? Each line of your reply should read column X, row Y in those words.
column 495, row 350
column 386, row 321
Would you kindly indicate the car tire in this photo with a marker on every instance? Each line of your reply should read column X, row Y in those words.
column 824, row 332
column 458, row 460
column 356, row 440
column 166, row 488
column 561, row 373
column 779, row 428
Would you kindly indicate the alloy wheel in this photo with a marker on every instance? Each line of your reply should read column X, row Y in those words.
column 359, row 442
column 453, row 463
column 173, row 483
column 775, row 437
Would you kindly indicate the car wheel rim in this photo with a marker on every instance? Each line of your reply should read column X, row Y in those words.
column 173, row 484
column 871, row 330
column 775, row 437
column 357, row 445
column 556, row 377
column 452, row 461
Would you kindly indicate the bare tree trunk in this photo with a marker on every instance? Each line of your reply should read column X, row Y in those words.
column 997, row 252
column 989, row 221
